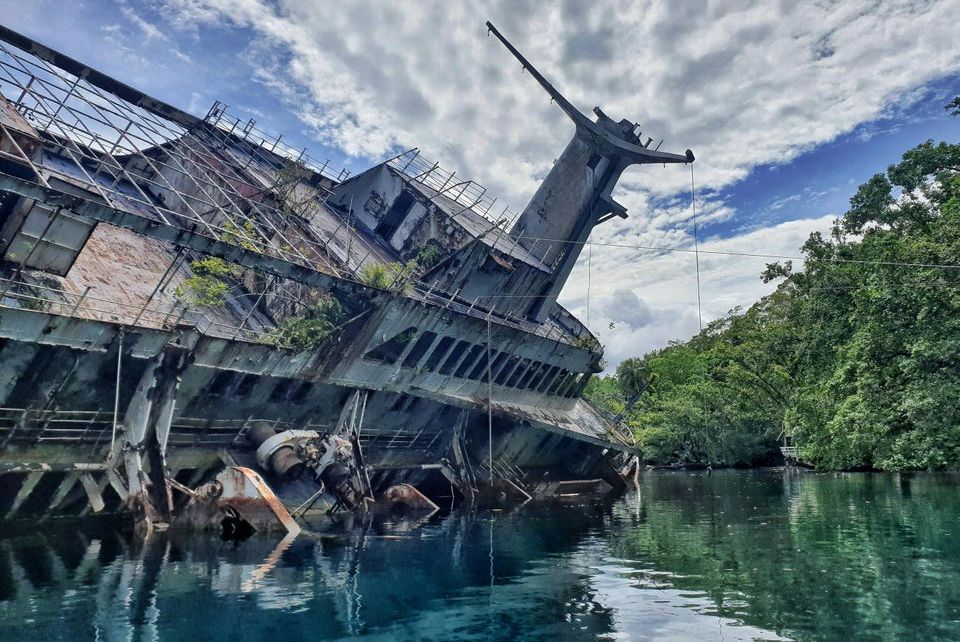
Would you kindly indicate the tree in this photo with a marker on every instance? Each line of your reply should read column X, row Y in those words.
column 857, row 355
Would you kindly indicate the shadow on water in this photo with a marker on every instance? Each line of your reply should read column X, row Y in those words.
column 733, row 555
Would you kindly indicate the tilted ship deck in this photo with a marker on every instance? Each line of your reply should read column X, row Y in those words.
column 194, row 315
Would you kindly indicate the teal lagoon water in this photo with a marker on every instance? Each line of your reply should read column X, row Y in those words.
column 736, row 555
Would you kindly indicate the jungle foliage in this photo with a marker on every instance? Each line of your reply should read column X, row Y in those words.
column 857, row 356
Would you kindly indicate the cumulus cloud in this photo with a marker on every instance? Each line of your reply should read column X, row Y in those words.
column 743, row 84
column 625, row 305
column 640, row 299
column 148, row 29
column 740, row 83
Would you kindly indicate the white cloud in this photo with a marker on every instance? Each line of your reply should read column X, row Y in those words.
column 786, row 200
column 148, row 29
column 651, row 298
column 742, row 84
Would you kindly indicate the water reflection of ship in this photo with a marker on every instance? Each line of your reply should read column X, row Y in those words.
column 347, row 577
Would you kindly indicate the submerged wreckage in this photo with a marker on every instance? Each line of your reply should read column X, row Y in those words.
column 201, row 325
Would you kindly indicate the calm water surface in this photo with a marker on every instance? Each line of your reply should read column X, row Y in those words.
column 765, row 555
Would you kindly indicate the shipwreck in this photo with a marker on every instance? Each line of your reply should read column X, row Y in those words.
column 202, row 325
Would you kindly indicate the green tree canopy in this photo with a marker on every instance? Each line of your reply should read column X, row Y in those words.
column 856, row 356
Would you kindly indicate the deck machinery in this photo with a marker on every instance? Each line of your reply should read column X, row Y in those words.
column 192, row 311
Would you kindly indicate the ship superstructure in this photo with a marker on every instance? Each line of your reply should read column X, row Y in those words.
column 181, row 295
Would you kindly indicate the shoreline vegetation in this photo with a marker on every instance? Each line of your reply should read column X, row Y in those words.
column 856, row 358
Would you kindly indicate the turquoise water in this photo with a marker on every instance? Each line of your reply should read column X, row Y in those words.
column 730, row 556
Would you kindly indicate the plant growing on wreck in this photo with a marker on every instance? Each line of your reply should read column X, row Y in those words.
column 588, row 342
column 207, row 287
column 242, row 235
column 310, row 330
column 388, row 276
column 428, row 256
column 209, row 284
column 293, row 201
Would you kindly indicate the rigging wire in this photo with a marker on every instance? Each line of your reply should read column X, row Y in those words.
column 696, row 246
column 589, row 274
column 696, row 249
column 116, row 395
column 489, row 408
column 885, row 286
column 757, row 255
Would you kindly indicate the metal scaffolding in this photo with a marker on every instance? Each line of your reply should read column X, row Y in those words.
column 70, row 130
column 468, row 194
column 203, row 175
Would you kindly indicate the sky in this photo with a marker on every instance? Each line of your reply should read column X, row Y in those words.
column 788, row 106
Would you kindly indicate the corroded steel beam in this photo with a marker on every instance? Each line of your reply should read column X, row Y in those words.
column 146, row 427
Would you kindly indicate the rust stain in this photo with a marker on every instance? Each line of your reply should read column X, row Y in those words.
column 271, row 500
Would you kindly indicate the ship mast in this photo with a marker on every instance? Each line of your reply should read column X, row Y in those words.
column 576, row 195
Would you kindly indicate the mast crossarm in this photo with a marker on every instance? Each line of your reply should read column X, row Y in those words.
column 640, row 154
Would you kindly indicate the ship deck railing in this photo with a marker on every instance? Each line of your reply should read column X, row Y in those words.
column 475, row 308
column 220, row 117
column 502, row 470
column 94, row 428
column 97, row 135
column 467, row 193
